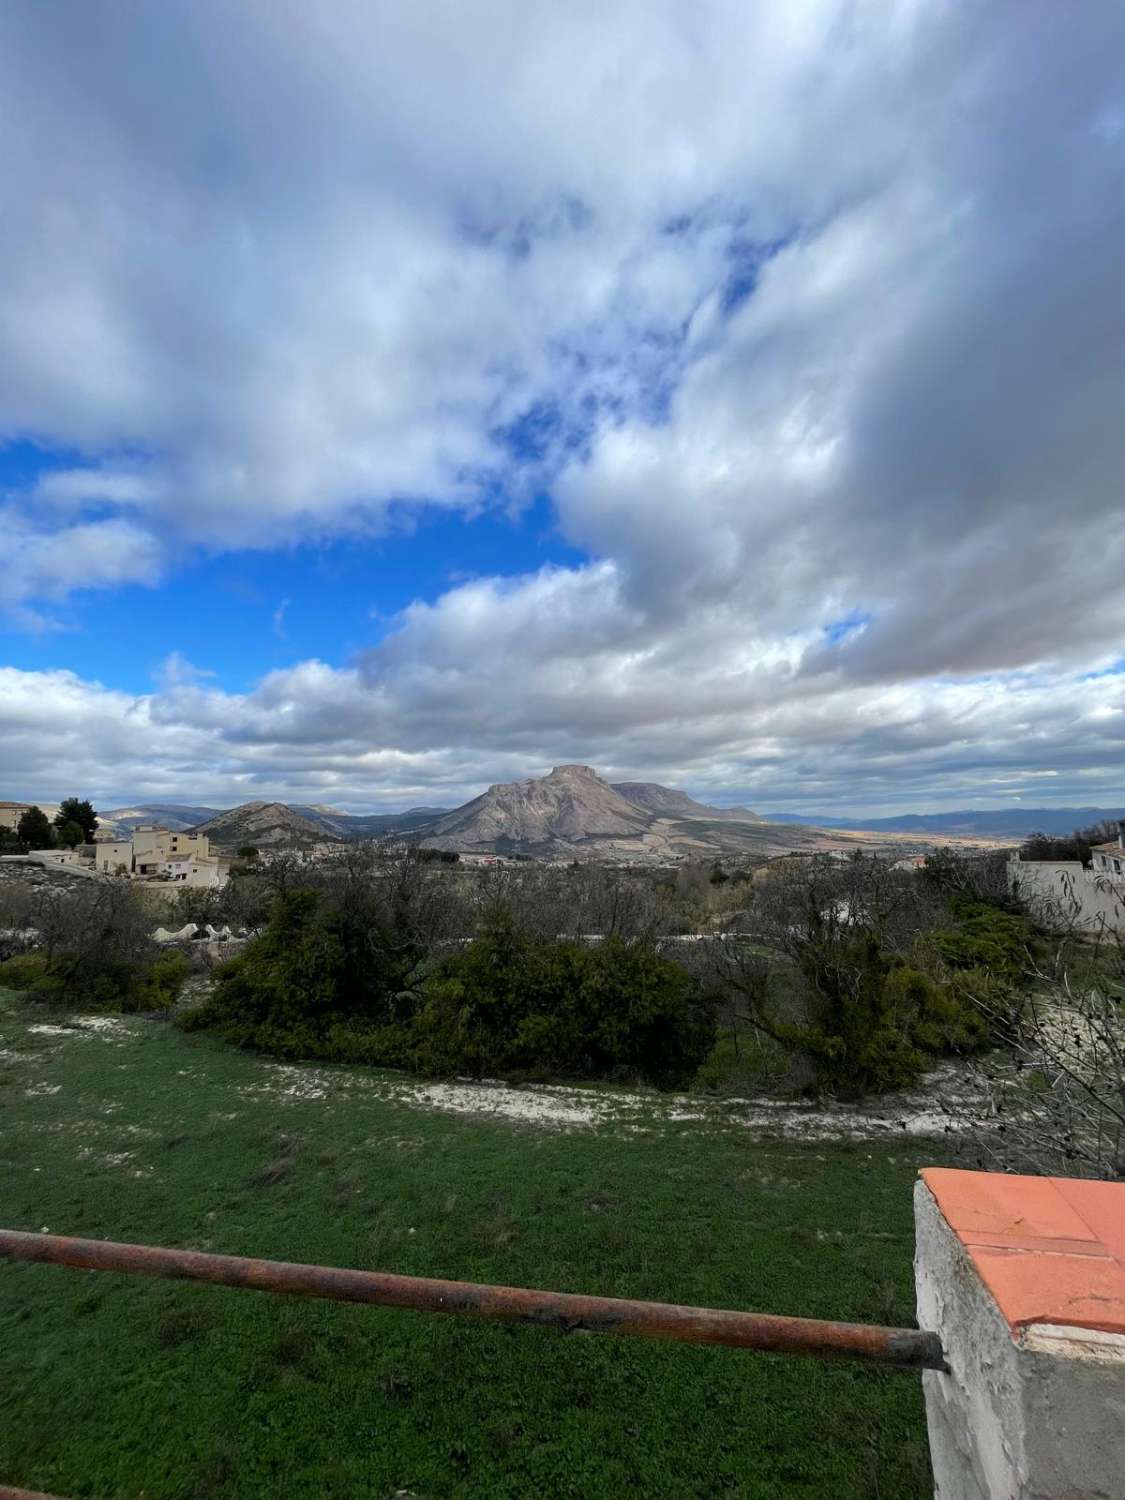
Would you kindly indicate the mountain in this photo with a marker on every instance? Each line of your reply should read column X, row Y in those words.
column 177, row 816
column 573, row 813
column 263, row 824
column 666, row 801
column 571, row 805
column 997, row 822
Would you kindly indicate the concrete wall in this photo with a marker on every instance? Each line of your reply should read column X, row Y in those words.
column 1034, row 1412
column 1062, row 893
column 55, row 856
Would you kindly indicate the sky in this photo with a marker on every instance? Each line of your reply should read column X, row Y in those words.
column 396, row 399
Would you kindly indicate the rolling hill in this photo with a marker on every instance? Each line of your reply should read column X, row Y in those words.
column 177, row 816
column 266, row 825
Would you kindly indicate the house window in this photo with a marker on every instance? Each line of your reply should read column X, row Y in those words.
column 1117, row 867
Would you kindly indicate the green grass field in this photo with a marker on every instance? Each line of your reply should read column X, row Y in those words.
column 128, row 1387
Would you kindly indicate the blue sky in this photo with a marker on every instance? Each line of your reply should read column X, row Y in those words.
column 716, row 396
column 253, row 610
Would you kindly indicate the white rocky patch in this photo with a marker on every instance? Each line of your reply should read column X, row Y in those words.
column 562, row 1108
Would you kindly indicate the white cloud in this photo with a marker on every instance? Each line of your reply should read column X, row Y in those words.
column 421, row 721
column 819, row 300
column 47, row 564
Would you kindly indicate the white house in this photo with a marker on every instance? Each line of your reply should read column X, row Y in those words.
column 1065, row 893
column 1109, row 859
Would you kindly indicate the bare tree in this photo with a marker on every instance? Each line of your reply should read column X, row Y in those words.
column 1058, row 1097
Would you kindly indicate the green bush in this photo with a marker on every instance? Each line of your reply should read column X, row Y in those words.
column 873, row 1022
column 156, row 986
column 108, row 984
column 23, row 971
column 983, row 936
column 508, row 1003
column 514, row 1004
column 311, row 975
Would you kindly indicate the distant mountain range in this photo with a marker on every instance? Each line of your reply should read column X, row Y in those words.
column 268, row 823
column 573, row 812
column 997, row 822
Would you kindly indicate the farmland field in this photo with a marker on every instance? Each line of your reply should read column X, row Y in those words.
column 127, row 1387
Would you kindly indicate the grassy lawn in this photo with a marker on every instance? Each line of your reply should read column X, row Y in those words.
column 128, row 1387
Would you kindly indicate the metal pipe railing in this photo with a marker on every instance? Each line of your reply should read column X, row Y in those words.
column 906, row 1347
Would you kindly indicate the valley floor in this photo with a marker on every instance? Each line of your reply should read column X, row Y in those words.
column 117, row 1387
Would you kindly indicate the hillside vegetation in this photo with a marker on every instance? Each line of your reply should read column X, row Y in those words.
column 857, row 976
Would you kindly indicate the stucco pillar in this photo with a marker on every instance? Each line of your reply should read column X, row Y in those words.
column 1023, row 1278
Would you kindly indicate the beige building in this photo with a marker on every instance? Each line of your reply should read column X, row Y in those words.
column 153, row 846
column 12, row 812
column 155, row 853
column 112, row 856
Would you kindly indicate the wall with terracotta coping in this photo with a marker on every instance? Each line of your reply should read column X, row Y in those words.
column 1024, row 1280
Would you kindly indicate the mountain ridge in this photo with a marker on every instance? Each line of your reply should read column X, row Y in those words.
column 574, row 811
column 656, row 798
column 1015, row 822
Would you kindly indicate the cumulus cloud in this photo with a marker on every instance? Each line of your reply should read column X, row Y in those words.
column 807, row 316
column 419, row 721
column 47, row 563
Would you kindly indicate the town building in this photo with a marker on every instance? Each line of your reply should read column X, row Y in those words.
column 1109, row 859
column 156, row 853
column 12, row 812
column 1064, row 893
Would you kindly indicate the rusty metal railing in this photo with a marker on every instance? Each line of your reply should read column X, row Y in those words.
column 905, row 1347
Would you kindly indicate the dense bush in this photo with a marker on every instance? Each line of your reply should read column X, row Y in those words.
column 513, row 1003
column 315, row 970
column 128, row 984
column 94, row 951
column 865, row 974
column 874, row 1022
column 982, row 936
column 510, row 1002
